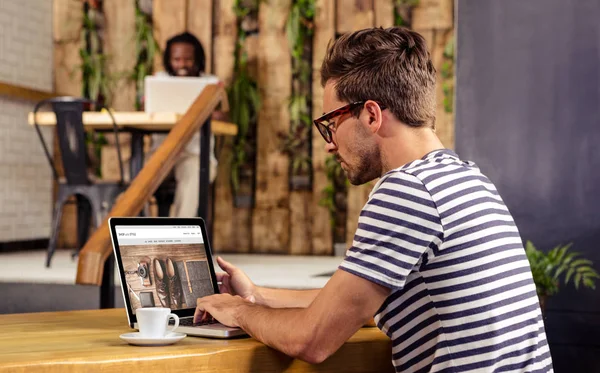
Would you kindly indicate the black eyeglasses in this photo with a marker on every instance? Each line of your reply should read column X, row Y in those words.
column 323, row 123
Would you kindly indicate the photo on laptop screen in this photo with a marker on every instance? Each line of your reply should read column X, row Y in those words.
column 165, row 266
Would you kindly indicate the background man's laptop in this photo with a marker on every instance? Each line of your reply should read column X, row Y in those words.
column 173, row 94
column 166, row 262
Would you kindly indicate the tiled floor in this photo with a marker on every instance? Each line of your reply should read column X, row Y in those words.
column 294, row 272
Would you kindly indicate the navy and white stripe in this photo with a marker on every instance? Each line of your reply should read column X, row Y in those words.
column 437, row 234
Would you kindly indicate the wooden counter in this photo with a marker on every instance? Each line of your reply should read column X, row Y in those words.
column 88, row 341
column 140, row 120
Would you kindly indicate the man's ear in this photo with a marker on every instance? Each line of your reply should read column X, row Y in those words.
column 374, row 116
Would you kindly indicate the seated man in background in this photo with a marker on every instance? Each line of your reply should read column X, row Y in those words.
column 184, row 56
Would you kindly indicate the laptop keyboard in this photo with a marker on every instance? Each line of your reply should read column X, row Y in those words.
column 189, row 321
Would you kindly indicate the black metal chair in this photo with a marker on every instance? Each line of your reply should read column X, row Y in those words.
column 94, row 199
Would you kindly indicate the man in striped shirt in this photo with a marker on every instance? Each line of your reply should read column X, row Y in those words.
column 436, row 258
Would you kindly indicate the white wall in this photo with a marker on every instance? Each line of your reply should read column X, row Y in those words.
column 26, row 59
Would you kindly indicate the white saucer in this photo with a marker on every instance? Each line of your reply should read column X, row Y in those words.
column 136, row 339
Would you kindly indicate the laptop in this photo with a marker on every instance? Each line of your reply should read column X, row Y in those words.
column 167, row 262
column 173, row 94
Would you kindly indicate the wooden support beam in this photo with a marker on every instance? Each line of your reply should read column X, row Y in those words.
column 324, row 32
column 354, row 15
column 97, row 250
column 168, row 19
column 270, row 220
column 119, row 46
column 384, row 13
column 200, row 23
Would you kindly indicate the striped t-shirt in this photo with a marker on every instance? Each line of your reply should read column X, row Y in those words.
column 437, row 233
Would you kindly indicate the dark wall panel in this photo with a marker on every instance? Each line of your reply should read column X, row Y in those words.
column 528, row 113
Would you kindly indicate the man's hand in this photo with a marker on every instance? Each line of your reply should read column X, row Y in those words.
column 235, row 282
column 223, row 307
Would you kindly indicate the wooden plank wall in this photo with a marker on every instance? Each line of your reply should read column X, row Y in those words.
column 282, row 220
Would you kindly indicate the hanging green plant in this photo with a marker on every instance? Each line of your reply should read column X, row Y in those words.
column 96, row 84
column 244, row 100
column 296, row 143
column 403, row 12
column 146, row 48
column 447, row 73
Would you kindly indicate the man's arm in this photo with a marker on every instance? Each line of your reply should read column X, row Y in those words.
column 285, row 298
column 313, row 333
column 235, row 282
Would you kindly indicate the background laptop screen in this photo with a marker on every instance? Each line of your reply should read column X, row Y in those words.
column 165, row 266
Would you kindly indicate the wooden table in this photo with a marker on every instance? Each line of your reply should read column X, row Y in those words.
column 138, row 120
column 88, row 341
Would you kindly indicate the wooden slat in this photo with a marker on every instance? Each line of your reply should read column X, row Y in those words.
column 136, row 119
column 384, row 13
column 270, row 221
column 200, row 23
column 88, row 341
column 168, row 19
column 433, row 14
column 324, row 32
column 301, row 217
column 444, row 120
column 98, row 249
column 354, row 15
column 224, row 39
column 119, row 46
column 225, row 227
column 67, row 25
column 67, row 20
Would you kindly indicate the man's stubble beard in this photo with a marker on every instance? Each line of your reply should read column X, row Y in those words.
column 368, row 168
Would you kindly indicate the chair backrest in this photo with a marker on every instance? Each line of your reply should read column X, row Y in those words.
column 71, row 138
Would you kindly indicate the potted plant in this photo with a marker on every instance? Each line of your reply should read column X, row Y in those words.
column 557, row 265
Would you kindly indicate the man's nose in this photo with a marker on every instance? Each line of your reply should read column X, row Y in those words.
column 330, row 147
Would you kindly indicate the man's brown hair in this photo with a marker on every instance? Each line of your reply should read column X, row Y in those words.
column 391, row 66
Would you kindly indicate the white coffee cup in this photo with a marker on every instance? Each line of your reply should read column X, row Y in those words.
column 153, row 321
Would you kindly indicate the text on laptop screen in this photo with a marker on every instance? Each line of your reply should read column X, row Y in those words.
column 165, row 266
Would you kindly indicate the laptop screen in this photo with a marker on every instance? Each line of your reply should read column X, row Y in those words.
column 164, row 265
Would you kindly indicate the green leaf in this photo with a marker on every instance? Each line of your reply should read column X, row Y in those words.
column 577, row 280
column 580, row 262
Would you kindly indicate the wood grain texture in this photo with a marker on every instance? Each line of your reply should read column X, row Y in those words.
column 119, row 46
column 88, row 341
column 270, row 221
column 324, row 32
column 433, row 14
column 67, row 20
column 354, row 15
column 224, row 39
column 132, row 255
column 384, row 13
column 301, row 215
column 200, row 23
column 99, row 121
column 98, row 248
column 168, row 19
